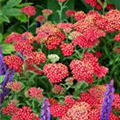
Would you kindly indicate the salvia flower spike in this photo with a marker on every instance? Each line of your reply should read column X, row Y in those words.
column 107, row 102
column 2, row 64
column 45, row 110
column 7, row 78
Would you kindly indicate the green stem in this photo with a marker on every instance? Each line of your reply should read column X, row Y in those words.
column 62, row 7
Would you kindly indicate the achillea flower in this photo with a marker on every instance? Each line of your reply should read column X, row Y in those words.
column 10, row 109
column 58, row 110
column 23, row 47
column 47, row 12
column 40, row 18
column 89, row 38
column 49, row 35
column 29, row 10
column 98, row 54
column 70, row 13
column 66, row 27
column 65, row 117
column 53, row 58
column 116, row 102
column 94, row 114
column 79, row 15
column 85, row 68
column 117, row 37
column 69, row 81
column 58, row 89
column 13, row 37
column 117, row 50
column 69, row 101
column 35, row 58
column 14, row 62
column 107, row 102
column 113, row 19
column 79, row 111
column 54, row 40
column 97, row 5
column 24, row 113
column 45, row 110
column 55, row 72
column 27, row 37
column 67, row 49
column 14, row 86
column 97, row 93
column 86, row 97
column 74, row 35
column 34, row 92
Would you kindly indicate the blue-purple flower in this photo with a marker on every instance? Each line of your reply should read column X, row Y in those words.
column 3, row 67
column 107, row 102
column 7, row 78
column 45, row 110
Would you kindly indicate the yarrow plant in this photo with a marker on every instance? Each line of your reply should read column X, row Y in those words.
column 61, row 68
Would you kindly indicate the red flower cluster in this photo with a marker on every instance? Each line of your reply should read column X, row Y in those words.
column 24, row 113
column 35, row 58
column 89, row 30
column 23, row 47
column 58, row 110
column 79, row 15
column 47, row 12
column 110, row 22
column 58, row 89
column 85, row 68
column 13, row 37
column 49, row 35
column 67, row 49
column 66, row 27
column 40, row 18
column 11, row 109
column 97, row 5
column 15, row 86
column 117, row 37
column 29, row 10
column 34, row 92
column 87, row 107
column 70, row 13
column 56, row 72
column 14, row 62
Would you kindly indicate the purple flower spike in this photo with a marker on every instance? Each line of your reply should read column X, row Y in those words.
column 4, row 91
column 107, row 102
column 2, row 64
column 45, row 110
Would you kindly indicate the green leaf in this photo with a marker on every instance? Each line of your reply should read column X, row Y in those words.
column 23, row 4
column 4, row 18
column 111, row 1
column 12, row 3
column 13, row 12
column 1, row 78
column 7, row 48
column 22, row 18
